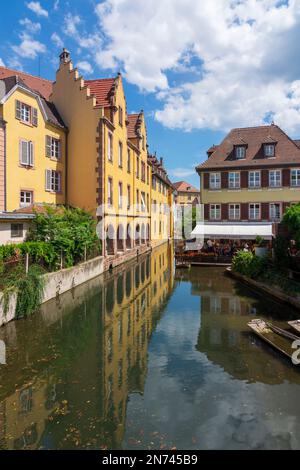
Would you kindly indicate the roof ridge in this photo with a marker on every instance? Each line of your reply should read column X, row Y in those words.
column 99, row 79
column 16, row 72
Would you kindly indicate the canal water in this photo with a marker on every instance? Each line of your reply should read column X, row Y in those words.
column 149, row 358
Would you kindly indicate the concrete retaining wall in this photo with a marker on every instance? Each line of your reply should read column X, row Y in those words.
column 57, row 283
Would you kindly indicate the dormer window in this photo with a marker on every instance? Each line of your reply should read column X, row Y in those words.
column 240, row 152
column 269, row 150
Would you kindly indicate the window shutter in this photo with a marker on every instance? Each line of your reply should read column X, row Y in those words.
column 224, row 180
column 286, row 177
column 59, row 181
column 24, row 148
column 265, row 178
column 59, row 150
column 244, row 179
column 48, row 145
column 244, row 211
column 31, row 153
column 206, row 180
column 34, row 117
column 265, row 211
column 224, row 213
column 18, row 110
column 206, row 211
column 48, row 180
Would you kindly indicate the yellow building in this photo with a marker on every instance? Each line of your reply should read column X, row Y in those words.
column 186, row 194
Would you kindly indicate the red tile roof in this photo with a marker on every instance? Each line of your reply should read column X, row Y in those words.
column 286, row 151
column 40, row 85
column 132, row 126
column 101, row 89
column 183, row 186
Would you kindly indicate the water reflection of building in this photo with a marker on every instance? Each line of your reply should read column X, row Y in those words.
column 226, row 308
column 99, row 341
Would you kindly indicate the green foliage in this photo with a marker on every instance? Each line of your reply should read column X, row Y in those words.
column 248, row 264
column 291, row 220
column 259, row 240
column 29, row 289
column 70, row 232
column 282, row 258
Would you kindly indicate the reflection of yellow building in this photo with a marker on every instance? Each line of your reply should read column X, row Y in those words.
column 117, row 318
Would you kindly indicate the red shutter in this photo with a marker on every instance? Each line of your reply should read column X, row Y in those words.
column 206, row 180
column 224, row 180
column 265, row 178
column 224, row 212
column 264, row 211
column 285, row 205
column 244, row 179
column 286, row 177
column 206, row 211
column 244, row 211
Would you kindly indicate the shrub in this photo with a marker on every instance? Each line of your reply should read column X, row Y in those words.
column 248, row 264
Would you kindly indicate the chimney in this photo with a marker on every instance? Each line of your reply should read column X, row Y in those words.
column 65, row 56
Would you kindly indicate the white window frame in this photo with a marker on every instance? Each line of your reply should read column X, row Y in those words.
column 110, row 193
column 272, row 205
column 26, row 201
column 297, row 179
column 240, row 152
column 120, row 155
column 26, row 159
column 25, row 113
column 255, row 185
column 110, row 146
column 267, row 152
column 235, row 182
column 120, row 195
column 53, row 181
column 252, row 211
column 16, row 232
column 275, row 182
column 234, row 211
column 214, row 210
column 215, row 180
column 143, row 201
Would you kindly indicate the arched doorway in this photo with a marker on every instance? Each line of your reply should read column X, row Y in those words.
column 120, row 238
column 128, row 238
column 110, row 240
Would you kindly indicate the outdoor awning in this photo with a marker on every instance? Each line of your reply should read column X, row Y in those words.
column 236, row 231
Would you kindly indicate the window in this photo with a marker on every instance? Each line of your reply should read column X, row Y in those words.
column 26, row 153
column 26, row 113
column 148, row 203
column 120, row 116
column 254, row 179
column 189, row 198
column 110, row 147
column 234, row 180
column 143, row 172
column 137, row 167
column 16, row 230
column 26, row 198
column 154, row 206
column 128, row 161
column 275, row 211
column 110, row 192
column 143, row 202
column 137, row 199
column 128, row 197
column 53, row 147
column 153, row 182
column 53, row 181
column 269, row 150
column 215, row 211
column 240, row 152
column 215, row 180
column 295, row 178
column 234, row 211
column 147, row 175
column 275, row 178
column 143, row 142
column 120, row 154
column 254, row 211
column 120, row 197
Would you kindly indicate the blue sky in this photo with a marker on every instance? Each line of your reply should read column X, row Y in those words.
column 196, row 68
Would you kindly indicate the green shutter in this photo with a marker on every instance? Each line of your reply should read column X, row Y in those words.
column 18, row 110
column 34, row 117
column 48, row 146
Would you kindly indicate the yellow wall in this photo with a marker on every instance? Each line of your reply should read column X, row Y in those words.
column 33, row 179
column 187, row 197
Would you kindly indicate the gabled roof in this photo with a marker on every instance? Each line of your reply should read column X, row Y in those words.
column 183, row 186
column 102, row 89
column 287, row 150
column 39, row 85
column 133, row 126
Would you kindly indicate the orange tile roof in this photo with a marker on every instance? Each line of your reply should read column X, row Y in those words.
column 131, row 128
column 101, row 89
column 40, row 85
column 183, row 186
column 286, row 151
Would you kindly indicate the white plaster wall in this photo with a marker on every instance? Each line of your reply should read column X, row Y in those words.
column 5, row 232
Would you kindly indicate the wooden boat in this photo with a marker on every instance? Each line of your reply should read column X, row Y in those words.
column 295, row 324
column 279, row 339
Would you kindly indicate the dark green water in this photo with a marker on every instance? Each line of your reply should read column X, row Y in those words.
column 148, row 359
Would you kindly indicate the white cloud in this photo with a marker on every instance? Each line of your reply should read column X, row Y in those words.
column 37, row 9
column 29, row 48
column 85, row 67
column 238, row 59
column 182, row 172
column 85, row 41
column 30, row 26
column 57, row 40
column 1, row 63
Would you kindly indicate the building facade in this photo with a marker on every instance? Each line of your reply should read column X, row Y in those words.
column 186, row 194
column 72, row 142
column 252, row 176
